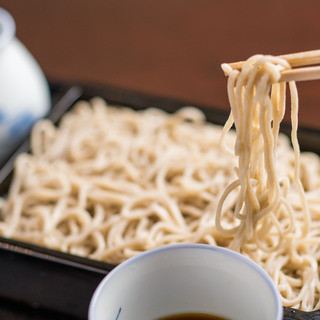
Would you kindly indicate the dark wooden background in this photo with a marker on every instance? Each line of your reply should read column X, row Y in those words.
column 170, row 48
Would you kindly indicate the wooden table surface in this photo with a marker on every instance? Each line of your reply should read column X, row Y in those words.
column 171, row 48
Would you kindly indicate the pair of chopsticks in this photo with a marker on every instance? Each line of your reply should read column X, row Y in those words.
column 299, row 59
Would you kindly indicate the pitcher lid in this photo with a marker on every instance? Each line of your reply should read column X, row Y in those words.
column 7, row 28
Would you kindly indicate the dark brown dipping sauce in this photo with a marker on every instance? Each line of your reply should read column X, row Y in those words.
column 192, row 316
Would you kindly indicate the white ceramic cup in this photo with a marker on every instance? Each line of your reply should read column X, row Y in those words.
column 186, row 278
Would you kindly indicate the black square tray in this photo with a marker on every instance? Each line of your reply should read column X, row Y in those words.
column 40, row 283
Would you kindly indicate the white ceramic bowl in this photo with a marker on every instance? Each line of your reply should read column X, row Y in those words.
column 186, row 278
column 24, row 91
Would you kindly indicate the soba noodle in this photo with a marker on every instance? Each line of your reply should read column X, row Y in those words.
column 275, row 224
column 110, row 182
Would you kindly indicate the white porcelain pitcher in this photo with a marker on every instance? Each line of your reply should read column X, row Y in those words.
column 24, row 91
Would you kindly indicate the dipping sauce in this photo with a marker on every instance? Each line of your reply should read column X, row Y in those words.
column 192, row 316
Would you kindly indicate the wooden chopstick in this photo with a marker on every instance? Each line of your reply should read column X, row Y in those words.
column 300, row 74
column 298, row 59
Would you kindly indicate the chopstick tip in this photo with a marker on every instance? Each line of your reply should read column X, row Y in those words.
column 226, row 68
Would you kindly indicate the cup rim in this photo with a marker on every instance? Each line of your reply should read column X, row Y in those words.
column 233, row 254
column 7, row 28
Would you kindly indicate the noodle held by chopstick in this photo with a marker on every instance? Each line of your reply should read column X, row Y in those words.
column 268, row 220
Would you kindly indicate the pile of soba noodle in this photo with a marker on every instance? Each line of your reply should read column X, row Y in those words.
column 110, row 182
